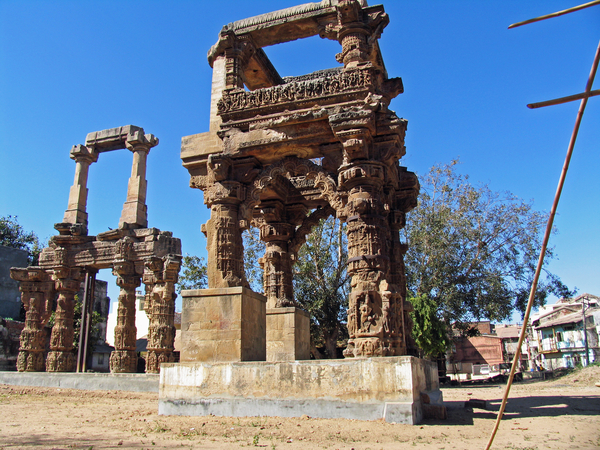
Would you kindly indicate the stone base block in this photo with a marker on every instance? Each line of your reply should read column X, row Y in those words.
column 226, row 324
column 363, row 389
column 133, row 382
column 288, row 334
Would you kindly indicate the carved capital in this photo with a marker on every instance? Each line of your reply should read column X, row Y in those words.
column 138, row 141
column 82, row 154
column 367, row 172
column 219, row 168
column 276, row 232
column 225, row 192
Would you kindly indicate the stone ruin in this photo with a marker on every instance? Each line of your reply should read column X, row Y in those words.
column 282, row 153
column 135, row 253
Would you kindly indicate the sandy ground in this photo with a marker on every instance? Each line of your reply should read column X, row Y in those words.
column 558, row 414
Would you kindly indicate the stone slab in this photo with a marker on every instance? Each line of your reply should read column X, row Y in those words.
column 363, row 389
column 288, row 334
column 86, row 381
column 226, row 324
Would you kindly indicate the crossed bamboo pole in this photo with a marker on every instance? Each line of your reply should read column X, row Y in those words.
column 584, row 98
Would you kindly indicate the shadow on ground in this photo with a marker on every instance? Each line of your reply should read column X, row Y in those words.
column 521, row 407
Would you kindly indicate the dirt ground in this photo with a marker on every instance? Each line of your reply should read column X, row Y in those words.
column 558, row 414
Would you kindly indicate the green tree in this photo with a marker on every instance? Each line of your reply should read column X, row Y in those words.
column 472, row 251
column 429, row 331
column 13, row 235
column 322, row 285
column 96, row 319
column 254, row 249
column 193, row 275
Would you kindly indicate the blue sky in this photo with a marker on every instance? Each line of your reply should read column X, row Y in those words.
column 68, row 68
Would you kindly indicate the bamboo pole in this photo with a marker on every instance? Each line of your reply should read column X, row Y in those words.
column 536, row 278
column 82, row 323
column 570, row 98
column 556, row 14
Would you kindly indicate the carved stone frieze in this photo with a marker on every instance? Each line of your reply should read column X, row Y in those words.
column 295, row 93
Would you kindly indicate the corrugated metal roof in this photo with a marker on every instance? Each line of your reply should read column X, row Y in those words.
column 574, row 317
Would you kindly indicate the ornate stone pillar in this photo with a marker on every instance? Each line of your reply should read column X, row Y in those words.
column 76, row 209
column 37, row 291
column 372, row 299
column 67, row 282
column 225, row 266
column 277, row 264
column 124, row 358
column 353, row 34
column 134, row 210
column 160, row 276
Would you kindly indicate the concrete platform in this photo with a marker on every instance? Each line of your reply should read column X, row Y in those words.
column 363, row 389
column 132, row 382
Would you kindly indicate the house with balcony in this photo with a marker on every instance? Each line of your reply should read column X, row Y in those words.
column 568, row 333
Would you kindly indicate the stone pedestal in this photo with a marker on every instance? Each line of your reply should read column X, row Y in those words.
column 396, row 389
column 288, row 334
column 224, row 324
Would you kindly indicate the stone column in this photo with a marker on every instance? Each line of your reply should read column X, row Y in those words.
column 277, row 262
column 76, row 209
column 37, row 291
column 353, row 34
column 160, row 276
column 363, row 176
column 67, row 282
column 225, row 266
column 134, row 212
column 124, row 358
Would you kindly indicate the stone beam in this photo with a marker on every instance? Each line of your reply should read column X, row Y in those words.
column 112, row 138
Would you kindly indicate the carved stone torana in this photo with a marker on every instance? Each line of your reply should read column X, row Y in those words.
column 282, row 153
column 72, row 252
column 160, row 276
column 37, row 294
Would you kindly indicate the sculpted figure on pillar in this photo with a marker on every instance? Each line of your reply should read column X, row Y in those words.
column 325, row 141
